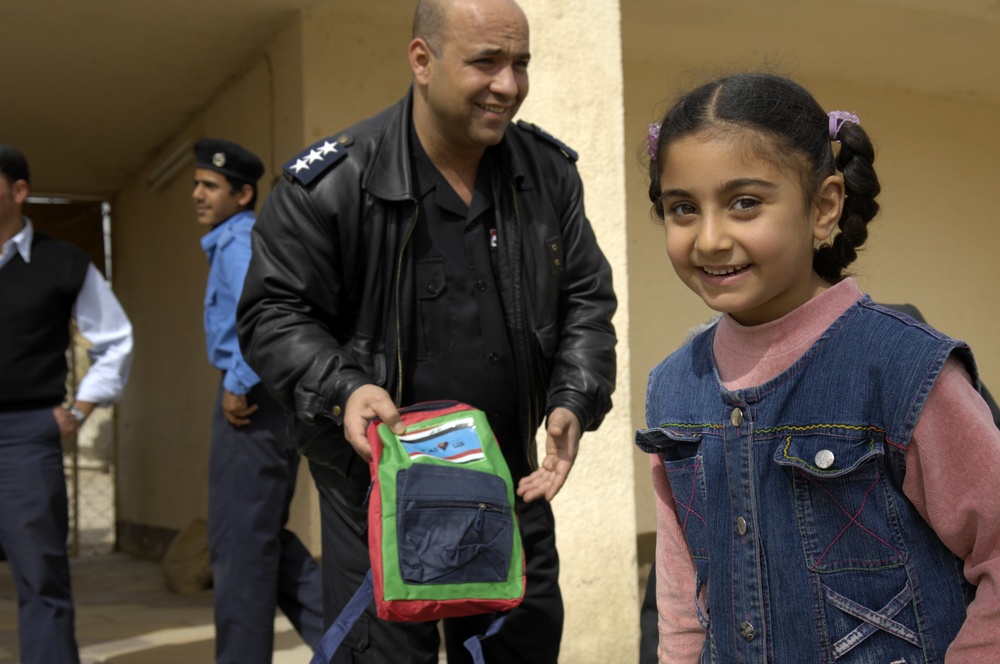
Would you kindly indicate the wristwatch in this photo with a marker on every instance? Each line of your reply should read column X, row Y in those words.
column 77, row 414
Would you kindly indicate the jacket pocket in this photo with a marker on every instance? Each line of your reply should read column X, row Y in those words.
column 844, row 509
column 548, row 340
column 454, row 525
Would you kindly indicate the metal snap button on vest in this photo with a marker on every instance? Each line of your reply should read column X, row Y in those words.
column 741, row 526
column 336, row 411
column 737, row 417
column 747, row 631
column 824, row 459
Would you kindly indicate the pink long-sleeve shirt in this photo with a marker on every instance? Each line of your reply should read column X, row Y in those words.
column 952, row 478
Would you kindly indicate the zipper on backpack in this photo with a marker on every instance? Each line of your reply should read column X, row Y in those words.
column 481, row 508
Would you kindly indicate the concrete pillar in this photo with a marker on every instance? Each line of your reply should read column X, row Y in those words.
column 576, row 95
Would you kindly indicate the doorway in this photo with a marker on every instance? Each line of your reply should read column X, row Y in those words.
column 89, row 456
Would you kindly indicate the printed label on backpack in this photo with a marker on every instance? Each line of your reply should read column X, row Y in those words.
column 456, row 441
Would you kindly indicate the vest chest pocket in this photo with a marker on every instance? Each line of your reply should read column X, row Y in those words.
column 682, row 458
column 844, row 508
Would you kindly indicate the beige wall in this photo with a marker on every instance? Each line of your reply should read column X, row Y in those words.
column 354, row 62
column 933, row 244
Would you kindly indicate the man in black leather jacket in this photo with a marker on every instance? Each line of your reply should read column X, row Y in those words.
column 436, row 251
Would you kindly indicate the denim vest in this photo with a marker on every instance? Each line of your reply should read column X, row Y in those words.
column 790, row 495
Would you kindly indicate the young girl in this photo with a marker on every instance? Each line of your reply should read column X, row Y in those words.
column 825, row 468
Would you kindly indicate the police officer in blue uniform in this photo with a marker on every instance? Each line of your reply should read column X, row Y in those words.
column 257, row 563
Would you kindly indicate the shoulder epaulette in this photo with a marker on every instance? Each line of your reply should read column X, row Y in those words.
column 567, row 151
column 317, row 159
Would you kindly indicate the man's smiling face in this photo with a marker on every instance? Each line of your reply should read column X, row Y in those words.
column 478, row 79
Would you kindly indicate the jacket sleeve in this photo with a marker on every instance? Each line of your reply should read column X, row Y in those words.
column 291, row 318
column 583, row 373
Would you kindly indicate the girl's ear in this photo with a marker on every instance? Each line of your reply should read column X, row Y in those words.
column 829, row 205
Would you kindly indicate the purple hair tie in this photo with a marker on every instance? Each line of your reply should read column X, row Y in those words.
column 652, row 138
column 837, row 120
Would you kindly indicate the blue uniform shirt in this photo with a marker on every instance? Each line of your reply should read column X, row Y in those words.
column 228, row 249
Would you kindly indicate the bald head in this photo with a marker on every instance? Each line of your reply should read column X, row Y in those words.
column 430, row 18
column 470, row 75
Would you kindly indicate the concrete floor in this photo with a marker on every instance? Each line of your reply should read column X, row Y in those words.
column 125, row 615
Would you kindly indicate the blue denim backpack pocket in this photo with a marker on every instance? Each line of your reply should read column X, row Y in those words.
column 844, row 511
column 453, row 525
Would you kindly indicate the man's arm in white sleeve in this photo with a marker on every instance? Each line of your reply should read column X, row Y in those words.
column 102, row 321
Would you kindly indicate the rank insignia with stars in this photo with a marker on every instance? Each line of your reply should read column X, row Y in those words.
column 312, row 162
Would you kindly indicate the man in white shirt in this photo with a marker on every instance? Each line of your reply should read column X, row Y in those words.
column 44, row 283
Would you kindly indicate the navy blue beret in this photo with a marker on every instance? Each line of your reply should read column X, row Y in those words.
column 228, row 158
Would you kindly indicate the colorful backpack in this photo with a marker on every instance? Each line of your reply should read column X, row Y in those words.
column 442, row 531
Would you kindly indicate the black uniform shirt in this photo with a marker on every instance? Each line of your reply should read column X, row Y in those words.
column 460, row 348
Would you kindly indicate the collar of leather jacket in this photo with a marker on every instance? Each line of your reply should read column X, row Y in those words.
column 389, row 174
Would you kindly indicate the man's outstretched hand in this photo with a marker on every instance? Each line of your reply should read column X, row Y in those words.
column 365, row 404
column 562, row 442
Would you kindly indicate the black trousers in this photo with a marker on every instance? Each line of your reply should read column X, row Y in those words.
column 530, row 635
column 34, row 524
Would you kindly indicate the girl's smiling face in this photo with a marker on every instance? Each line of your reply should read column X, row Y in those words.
column 740, row 229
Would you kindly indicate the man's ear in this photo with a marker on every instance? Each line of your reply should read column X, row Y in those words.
column 245, row 195
column 420, row 59
column 20, row 191
column 828, row 207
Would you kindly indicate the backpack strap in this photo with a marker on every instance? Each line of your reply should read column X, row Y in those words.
column 342, row 625
column 364, row 596
column 474, row 644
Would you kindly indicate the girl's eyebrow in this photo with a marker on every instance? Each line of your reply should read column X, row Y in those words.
column 740, row 183
column 727, row 187
column 675, row 193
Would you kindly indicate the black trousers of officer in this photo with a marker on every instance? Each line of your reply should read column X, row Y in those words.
column 34, row 524
column 530, row 635
column 257, row 563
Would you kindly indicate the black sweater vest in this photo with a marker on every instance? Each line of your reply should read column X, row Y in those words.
column 36, row 303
